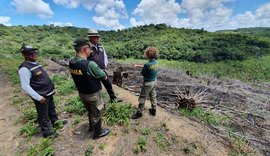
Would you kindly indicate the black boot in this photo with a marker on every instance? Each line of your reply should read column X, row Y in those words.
column 99, row 132
column 50, row 135
column 152, row 111
column 136, row 115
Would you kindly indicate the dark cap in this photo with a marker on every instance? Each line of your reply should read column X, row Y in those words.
column 25, row 49
column 79, row 42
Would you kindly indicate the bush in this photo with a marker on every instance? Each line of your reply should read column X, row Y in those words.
column 75, row 105
column 118, row 113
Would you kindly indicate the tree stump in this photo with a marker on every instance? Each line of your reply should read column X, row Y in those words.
column 186, row 103
column 117, row 76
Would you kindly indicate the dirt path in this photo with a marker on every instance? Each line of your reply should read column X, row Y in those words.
column 182, row 133
column 9, row 140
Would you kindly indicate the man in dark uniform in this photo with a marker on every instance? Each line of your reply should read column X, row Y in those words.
column 38, row 85
column 87, row 76
column 100, row 57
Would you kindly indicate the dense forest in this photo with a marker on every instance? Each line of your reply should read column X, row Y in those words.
column 173, row 43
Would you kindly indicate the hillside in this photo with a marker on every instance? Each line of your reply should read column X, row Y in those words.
column 257, row 31
column 174, row 44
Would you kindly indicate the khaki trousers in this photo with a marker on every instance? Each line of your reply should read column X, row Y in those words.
column 148, row 89
column 94, row 104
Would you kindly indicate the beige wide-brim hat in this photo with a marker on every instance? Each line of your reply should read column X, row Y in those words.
column 92, row 32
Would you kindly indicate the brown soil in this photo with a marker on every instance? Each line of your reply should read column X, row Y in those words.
column 9, row 128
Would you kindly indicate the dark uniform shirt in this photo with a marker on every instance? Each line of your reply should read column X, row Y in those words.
column 150, row 70
column 86, row 75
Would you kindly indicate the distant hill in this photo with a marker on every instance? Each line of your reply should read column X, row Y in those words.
column 195, row 45
column 257, row 31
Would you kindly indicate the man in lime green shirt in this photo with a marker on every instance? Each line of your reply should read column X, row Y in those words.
column 87, row 76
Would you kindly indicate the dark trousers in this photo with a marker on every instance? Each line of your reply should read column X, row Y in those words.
column 108, row 85
column 46, row 115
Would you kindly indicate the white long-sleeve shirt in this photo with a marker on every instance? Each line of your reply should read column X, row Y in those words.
column 105, row 58
column 25, row 76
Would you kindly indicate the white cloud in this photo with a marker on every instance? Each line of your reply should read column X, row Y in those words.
column 199, row 14
column 5, row 20
column 68, row 3
column 61, row 24
column 211, row 15
column 134, row 22
column 158, row 11
column 38, row 7
column 110, row 23
column 108, row 12
column 263, row 12
column 88, row 4
column 207, row 14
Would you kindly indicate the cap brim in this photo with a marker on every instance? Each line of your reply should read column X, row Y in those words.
column 29, row 50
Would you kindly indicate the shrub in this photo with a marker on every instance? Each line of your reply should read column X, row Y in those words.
column 118, row 113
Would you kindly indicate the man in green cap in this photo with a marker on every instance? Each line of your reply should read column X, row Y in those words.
column 87, row 76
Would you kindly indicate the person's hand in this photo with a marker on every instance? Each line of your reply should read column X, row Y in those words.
column 134, row 65
column 105, row 78
column 43, row 100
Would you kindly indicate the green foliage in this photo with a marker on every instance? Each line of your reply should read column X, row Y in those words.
column 239, row 145
column 58, row 125
column 17, row 99
column 161, row 141
column 118, row 113
column 259, row 31
column 74, row 105
column 208, row 117
column 29, row 129
column 102, row 146
column 30, row 114
column 173, row 43
column 10, row 65
column 146, row 131
column 77, row 120
column 64, row 86
column 184, row 44
column 44, row 148
column 89, row 150
column 140, row 145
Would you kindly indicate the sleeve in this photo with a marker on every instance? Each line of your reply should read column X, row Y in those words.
column 143, row 72
column 105, row 58
column 25, row 76
column 95, row 71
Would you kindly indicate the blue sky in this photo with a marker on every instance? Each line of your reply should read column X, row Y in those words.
column 211, row 15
